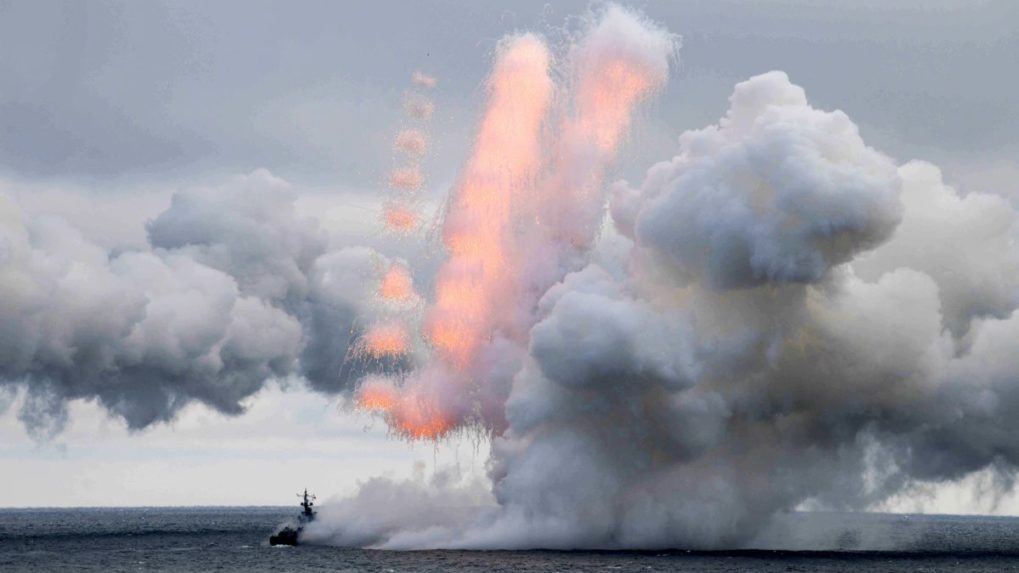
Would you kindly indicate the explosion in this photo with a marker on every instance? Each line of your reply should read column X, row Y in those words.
column 399, row 218
column 407, row 178
column 777, row 317
column 386, row 339
column 495, row 217
column 396, row 285
column 418, row 107
column 776, row 330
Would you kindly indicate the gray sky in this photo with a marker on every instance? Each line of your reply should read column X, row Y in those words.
column 153, row 91
column 108, row 107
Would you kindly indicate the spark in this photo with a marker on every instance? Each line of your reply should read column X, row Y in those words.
column 385, row 340
column 406, row 178
column 418, row 107
column 411, row 142
column 396, row 285
column 399, row 218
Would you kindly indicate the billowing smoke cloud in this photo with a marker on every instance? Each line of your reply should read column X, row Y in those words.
column 965, row 243
column 797, row 320
column 527, row 204
column 776, row 192
column 794, row 319
column 236, row 290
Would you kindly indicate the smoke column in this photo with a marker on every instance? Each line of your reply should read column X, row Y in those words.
column 477, row 233
column 390, row 337
column 617, row 64
column 477, row 227
column 486, row 288
column 399, row 218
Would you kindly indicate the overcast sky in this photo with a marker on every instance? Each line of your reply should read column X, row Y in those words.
column 106, row 108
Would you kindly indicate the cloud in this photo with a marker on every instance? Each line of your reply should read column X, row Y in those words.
column 965, row 242
column 790, row 319
column 235, row 290
column 777, row 191
column 797, row 322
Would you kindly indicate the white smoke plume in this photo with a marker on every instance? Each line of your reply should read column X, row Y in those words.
column 236, row 290
column 797, row 321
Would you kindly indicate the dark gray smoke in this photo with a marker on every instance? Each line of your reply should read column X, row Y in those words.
column 236, row 290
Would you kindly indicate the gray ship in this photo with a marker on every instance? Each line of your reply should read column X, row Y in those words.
column 290, row 533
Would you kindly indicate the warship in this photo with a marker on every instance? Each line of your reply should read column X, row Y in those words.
column 291, row 532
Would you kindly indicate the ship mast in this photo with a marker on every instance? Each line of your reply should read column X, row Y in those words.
column 307, row 504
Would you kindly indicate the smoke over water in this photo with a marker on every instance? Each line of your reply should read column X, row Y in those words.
column 795, row 321
column 236, row 290
column 779, row 316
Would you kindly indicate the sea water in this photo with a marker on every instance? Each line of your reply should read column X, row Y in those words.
column 236, row 539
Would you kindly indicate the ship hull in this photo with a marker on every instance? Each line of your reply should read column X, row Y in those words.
column 286, row 536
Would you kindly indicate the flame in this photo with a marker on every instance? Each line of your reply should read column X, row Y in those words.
column 375, row 396
column 423, row 80
column 607, row 90
column 509, row 205
column 399, row 218
column 418, row 107
column 420, row 417
column 387, row 339
column 406, row 178
column 411, row 141
column 416, row 415
column 396, row 285
column 476, row 232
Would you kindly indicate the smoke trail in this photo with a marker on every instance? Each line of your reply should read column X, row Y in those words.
column 411, row 141
column 399, row 218
column 622, row 60
column 795, row 320
column 477, row 228
column 407, row 178
column 396, row 285
column 477, row 232
column 384, row 339
column 390, row 338
column 486, row 290
column 418, row 107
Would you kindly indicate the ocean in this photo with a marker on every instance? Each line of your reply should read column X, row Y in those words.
column 235, row 540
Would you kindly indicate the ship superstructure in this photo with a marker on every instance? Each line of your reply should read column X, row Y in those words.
column 290, row 534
